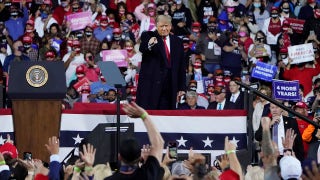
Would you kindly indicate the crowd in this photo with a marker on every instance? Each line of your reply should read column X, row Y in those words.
column 222, row 43
column 148, row 162
column 221, row 40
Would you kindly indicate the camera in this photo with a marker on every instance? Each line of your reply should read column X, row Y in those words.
column 173, row 150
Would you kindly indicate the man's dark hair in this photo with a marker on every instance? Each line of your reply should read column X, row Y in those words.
column 130, row 150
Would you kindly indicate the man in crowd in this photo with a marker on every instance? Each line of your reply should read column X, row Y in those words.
column 221, row 102
column 279, row 125
column 236, row 97
column 191, row 101
column 130, row 150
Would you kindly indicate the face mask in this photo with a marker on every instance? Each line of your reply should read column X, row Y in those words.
column 103, row 24
column 274, row 15
column 285, row 10
column 26, row 46
column 88, row 33
column 230, row 9
column 193, row 88
column 283, row 56
column 64, row 4
column 75, row 9
column 79, row 35
column 186, row 46
column 14, row 14
column 129, row 49
column 4, row 40
column 7, row 4
column 211, row 28
column 151, row 13
column 90, row 58
column 257, row 5
column 29, row 30
column 77, row 50
column 197, row 65
column 285, row 28
column 242, row 34
column 102, row 79
column 117, row 38
column 21, row 48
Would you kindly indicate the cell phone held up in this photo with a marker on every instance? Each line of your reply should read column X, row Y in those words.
column 173, row 150
column 27, row 156
column 317, row 112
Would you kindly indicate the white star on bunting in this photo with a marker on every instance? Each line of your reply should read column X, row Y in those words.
column 182, row 142
column 207, row 142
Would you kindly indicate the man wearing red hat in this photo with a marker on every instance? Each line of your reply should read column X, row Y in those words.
column 103, row 31
column 29, row 50
column 72, row 60
column 302, row 108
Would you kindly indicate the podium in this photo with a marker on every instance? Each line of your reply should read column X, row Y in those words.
column 36, row 90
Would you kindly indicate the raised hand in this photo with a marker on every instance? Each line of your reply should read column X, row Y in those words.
column 53, row 145
column 88, row 154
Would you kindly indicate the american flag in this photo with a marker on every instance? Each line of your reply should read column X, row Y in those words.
column 203, row 130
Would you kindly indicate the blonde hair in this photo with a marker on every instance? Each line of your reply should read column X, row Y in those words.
column 167, row 172
column 254, row 173
column 101, row 171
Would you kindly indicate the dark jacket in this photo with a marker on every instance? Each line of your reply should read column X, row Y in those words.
column 154, row 68
column 227, row 105
column 288, row 123
column 239, row 103
column 185, row 106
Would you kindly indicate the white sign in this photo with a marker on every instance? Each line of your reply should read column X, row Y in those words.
column 301, row 53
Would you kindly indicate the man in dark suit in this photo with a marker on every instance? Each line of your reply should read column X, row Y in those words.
column 221, row 102
column 163, row 70
column 279, row 126
column 236, row 97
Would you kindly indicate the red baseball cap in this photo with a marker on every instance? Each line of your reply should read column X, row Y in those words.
column 196, row 24
column 27, row 39
column 117, row 30
column 301, row 104
column 50, row 54
column 30, row 22
column 8, row 148
column 75, row 43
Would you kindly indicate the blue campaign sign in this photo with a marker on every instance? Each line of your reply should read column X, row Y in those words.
column 206, row 82
column 264, row 71
column 286, row 90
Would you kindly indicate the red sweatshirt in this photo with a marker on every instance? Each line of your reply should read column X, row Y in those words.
column 304, row 76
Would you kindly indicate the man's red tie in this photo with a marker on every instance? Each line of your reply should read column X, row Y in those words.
column 167, row 50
